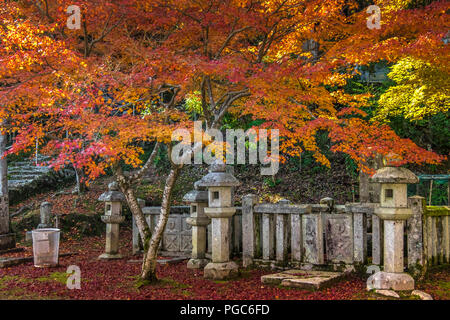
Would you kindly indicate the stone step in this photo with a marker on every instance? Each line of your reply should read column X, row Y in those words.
column 26, row 163
column 31, row 176
column 18, row 183
column 28, row 168
column 29, row 163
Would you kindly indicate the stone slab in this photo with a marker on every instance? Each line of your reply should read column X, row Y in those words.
column 388, row 293
column 9, row 262
column 310, row 280
column 109, row 256
column 422, row 295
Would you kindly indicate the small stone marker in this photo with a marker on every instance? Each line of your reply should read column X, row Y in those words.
column 310, row 280
column 45, row 215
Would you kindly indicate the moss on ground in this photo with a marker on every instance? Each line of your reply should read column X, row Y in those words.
column 60, row 277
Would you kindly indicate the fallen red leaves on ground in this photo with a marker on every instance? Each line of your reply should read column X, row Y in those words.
column 117, row 280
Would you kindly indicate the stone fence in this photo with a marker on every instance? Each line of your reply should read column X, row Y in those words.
column 177, row 238
column 289, row 235
column 428, row 234
column 312, row 235
column 436, row 222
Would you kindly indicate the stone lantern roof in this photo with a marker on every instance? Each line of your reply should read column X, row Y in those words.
column 112, row 195
column 218, row 177
column 196, row 196
column 394, row 175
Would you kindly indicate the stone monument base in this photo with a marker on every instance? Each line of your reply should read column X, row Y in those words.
column 221, row 271
column 390, row 281
column 197, row 263
column 109, row 256
column 7, row 241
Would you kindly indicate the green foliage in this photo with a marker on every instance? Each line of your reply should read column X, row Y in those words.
column 193, row 103
column 60, row 277
column 351, row 166
column 430, row 132
column 433, row 132
column 272, row 182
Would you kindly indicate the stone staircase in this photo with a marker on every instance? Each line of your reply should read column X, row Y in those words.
column 22, row 173
column 25, row 179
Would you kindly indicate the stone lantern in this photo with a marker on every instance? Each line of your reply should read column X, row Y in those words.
column 113, row 208
column 220, row 209
column 198, row 200
column 394, row 211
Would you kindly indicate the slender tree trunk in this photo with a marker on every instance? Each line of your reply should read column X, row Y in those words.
column 136, row 210
column 149, row 264
column 4, row 203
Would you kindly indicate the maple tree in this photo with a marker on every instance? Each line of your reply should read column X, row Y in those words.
column 93, row 96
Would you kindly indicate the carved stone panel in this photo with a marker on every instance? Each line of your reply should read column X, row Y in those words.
column 172, row 234
column 313, row 238
column 339, row 238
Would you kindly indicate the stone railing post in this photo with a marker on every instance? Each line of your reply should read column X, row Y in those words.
column 312, row 235
column 198, row 200
column 415, row 234
column 220, row 209
column 248, row 229
column 113, row 209
column 377, row 240
column 360, row 212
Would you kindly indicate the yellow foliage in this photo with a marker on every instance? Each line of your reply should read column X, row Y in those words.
column 421, row 90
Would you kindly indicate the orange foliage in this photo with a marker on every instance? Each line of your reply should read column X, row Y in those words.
column 93, row 95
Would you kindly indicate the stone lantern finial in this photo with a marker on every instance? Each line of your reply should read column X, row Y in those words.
column 113, row 186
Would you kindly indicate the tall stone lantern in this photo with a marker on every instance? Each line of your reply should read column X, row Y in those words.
column 198, row 200
column 113, row 217
column 220, row 209
column 394, row 211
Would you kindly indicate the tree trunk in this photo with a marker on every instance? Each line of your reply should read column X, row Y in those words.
column 4, row 203
column 136, row 210
column 150, row 257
